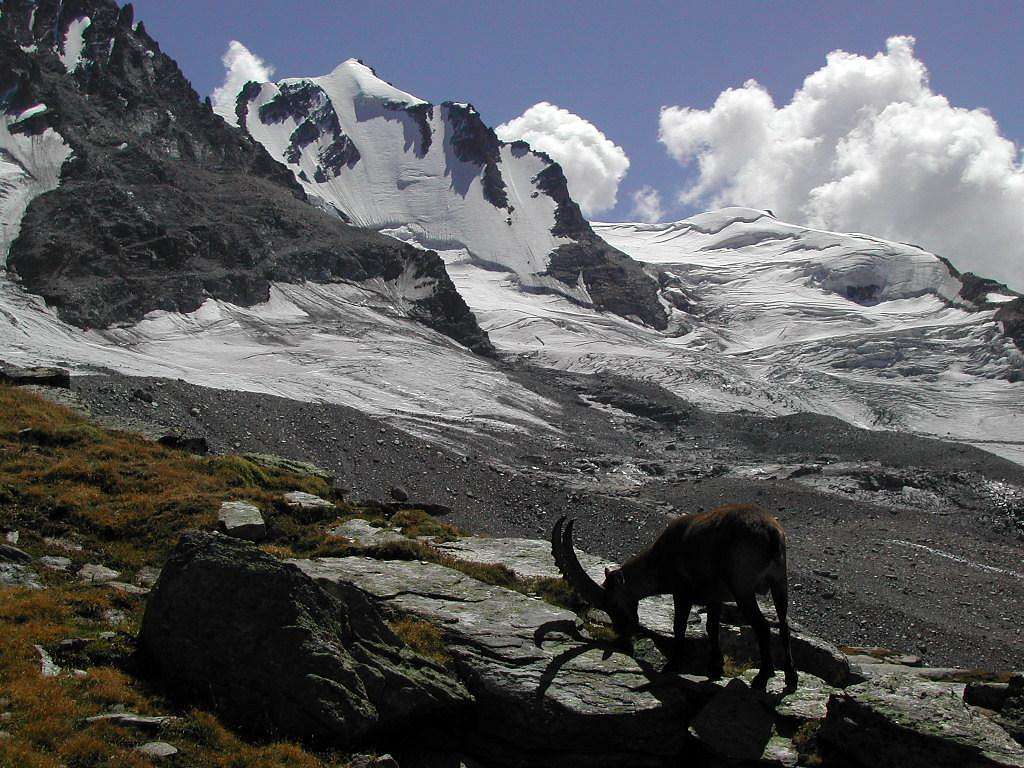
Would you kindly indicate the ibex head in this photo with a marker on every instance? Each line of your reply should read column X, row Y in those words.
column 613, row 597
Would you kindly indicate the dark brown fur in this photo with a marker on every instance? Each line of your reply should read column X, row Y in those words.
column 730, row 553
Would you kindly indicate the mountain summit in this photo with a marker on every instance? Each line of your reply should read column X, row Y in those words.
column 437, row 176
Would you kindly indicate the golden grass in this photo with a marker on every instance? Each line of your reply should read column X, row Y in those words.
column 125, row 500
column 423, row 637
column 124, row 496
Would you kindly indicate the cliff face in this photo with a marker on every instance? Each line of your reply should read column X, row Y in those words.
column 161, row 204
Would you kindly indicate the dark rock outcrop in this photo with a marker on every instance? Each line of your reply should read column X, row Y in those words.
column 904, row 722
column 162, row 204
column 257, row 640
column 474, row 142
column 40, row 376
column 616, row 283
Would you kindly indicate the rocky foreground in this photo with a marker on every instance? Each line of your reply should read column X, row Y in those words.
column 302, row 647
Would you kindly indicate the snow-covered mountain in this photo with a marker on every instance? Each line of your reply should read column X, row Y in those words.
column 123, row 194
column 437, row 176
column 146, row 235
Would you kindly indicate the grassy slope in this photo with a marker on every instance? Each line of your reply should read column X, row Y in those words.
column 124, row 500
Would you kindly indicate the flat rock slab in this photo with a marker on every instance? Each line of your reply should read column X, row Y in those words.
column 13, row 554
column 532, row 558
column 306, row 501
column 364, row 534
column 545, row 696
column 93, row 573
column 281, row 464
column 241, row 520
column 526, row 558
column 55, row 562
column 40, row 376
column 903, row 721
column 134, row 720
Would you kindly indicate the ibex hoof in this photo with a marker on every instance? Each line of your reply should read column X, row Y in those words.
column 760, row 681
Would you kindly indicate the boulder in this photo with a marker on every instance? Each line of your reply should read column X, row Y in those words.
column 1011, row 716
column 281, row 464
column 364, row 534
column 736, row 724
column 307, row 503
column 986, row 694
column 18, row 575
column 40, row 376
column 546, row 694
column 241, row 520
column 14, row 555
column 532, row 558
column 398, row 493
column 196, row 444
column 55, row 562
column 256, row 639
column 157, row 750
column 903, row 721
column 93, row 573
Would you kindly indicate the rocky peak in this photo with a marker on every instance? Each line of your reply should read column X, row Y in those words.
column 162, row 205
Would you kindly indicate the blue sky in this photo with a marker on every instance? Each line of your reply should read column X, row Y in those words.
column 616, row 64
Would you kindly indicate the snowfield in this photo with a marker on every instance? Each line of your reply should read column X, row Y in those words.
column 403, row 179
column 765, row 316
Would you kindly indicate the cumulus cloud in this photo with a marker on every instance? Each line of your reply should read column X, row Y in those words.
column 593, row 164
column 647, row 205
column 864, row 145
column 241, row 66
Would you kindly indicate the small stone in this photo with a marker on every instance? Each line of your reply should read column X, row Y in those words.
column 63, row 544
column 241, row 520
column 142, row 396
column 12, row 537
column 373, row 761
column 194, row 411
column 147, row 576
column 93, row 573
column 47, row 666
column 157, row 749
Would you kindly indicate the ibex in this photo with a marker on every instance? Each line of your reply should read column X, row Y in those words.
column 733, row 552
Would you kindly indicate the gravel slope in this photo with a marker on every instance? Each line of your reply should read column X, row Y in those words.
column 860, row 570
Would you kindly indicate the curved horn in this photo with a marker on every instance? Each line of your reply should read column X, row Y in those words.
column 565, row 558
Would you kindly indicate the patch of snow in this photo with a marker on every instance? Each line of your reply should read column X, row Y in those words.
column 38, row 109
column 999, row 298
column 352, row 73
column 29, row 166
column 74, row 43
column 338, row 343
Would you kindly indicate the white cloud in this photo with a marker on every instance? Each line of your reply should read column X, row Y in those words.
column 864, row 145
column 593, row 164
column 647, row 205
column 242, row 65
